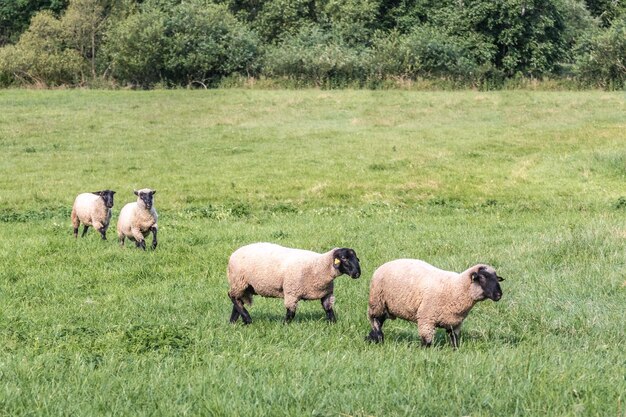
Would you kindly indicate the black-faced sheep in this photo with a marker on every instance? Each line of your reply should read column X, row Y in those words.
column 93, row 209
column 137, row 220
column 433, row 298
column 272, row 270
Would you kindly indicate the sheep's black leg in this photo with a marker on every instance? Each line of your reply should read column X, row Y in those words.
column 330, row 315
column 76, row 232
column 241, row 310
column 154, row 237
column 103, row 232
column 376, row 335
column 85, row 227
column 454, row 337
column 327, row 305
column 141, row 244
column 234, row 316
column 290, row 315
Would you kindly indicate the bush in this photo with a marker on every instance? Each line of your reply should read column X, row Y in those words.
column 41, row 56
column 427, row 52
column 524, row 36
column 602, row 58
column 313, row 56
column 56, row 51
column 135, row 47
column 206, row 43
column 353, row 21
column 189, row 43
column 15, row 16
column 278, row 18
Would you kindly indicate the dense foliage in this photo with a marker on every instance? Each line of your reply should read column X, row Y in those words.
column 330, row 43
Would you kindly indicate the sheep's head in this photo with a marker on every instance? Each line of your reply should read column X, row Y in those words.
column 486, row 282
column 346, row 262
column 146, row 195
column 107, row 196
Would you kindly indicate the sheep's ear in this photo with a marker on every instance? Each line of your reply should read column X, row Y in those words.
column 475, row 276
column 153, row 192
column 500, row 279
column 136, row 193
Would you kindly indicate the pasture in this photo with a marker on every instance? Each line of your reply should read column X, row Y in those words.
column 533, row 183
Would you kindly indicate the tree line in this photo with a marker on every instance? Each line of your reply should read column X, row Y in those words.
column 327, row 43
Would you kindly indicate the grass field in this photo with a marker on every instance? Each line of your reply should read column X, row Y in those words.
column 532, row 183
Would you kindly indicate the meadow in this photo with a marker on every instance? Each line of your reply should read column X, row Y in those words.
column 533, row 183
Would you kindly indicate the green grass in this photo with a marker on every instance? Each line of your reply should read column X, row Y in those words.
column 532, row 183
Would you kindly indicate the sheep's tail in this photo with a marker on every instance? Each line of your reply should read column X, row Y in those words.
column 75, row 221
column 376, row 305
column 238, row 287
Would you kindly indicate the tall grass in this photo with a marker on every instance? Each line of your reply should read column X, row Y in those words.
column 532, row 183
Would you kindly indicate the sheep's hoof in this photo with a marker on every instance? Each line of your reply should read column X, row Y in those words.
column 374, row 337
column 245, row 321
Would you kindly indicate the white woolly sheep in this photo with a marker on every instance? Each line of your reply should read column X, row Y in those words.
column 93, row 209
column 275, row 271
column 419, row 292
column 138, row 219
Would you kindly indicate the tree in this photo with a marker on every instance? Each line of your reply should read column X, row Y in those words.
column 429, row 53
column 278, row 17
column 313, row 56
column 527, row 34
column 353, row 20
column 206, row 42
column 192, row 42
column 41, row 56
column 602, row 58
column 606, row 10
column 15, row 16
column 83, row 24
column 135, row 47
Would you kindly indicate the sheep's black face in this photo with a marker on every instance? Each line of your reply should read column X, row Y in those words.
column 147, row 197
column 107, row 196
column 346, row 262
column 489, row 282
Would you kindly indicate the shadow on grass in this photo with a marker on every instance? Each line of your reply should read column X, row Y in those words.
column 412, row 338
column 264, row 316
column 441, row 338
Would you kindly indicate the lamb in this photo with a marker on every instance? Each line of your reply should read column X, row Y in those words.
column 138, row 219
column 272, row 270
column 419, row 292
column 93, row 209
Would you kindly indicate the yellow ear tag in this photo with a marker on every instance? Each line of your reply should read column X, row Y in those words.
column 337, row 261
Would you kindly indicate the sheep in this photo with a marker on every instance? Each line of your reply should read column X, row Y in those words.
column 419, row 292
column 272, row 270
column 93, row 209
column 138, row 219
